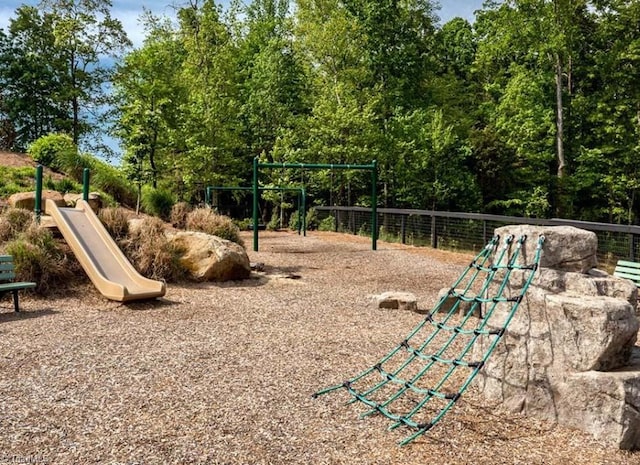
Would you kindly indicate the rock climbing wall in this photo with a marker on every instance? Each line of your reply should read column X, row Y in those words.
column 569, row 354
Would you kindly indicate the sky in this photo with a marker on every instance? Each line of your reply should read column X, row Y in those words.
column 128, row 12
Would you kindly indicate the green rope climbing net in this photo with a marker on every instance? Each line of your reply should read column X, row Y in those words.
column 418, row 381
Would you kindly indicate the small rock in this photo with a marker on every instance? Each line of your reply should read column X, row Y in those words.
column 397, row 300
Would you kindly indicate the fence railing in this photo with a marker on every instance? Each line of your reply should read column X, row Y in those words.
column 471, row 231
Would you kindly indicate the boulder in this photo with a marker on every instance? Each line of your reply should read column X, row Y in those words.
column 95, row 200
column 605, row 404
column 565, row 248
column 449, row 302
column 568, row 353
column 397, row 300
column 211, row 258
column 27, row 200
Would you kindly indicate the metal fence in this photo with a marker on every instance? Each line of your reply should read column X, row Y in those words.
column 470, row 231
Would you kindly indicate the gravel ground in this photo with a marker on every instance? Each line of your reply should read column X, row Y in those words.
column 223, row 373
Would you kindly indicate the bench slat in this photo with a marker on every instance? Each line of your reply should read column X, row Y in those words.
column 632, row 277
column 6, row 266
column 16, row 286
column 7, row 276
column 628, row 264
column 624, row 269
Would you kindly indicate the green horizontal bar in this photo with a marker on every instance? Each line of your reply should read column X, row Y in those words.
column 318, row 166
column 628, row 264
column 248, row 188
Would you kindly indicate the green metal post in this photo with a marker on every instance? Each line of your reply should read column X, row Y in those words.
column 374, row 206
column 304, row 212
column 85, row 184
column 255, row 204
column 38, row 205
column 299, row 215
column 207, row 197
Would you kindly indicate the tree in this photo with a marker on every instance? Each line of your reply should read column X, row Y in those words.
column 84, row 35
column 149, row 94
column 31, row 87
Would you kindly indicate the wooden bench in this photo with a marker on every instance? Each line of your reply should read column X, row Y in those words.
column 7, row 283
column 628, row 270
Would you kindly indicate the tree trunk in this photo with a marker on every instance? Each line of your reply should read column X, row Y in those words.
column 559, row 119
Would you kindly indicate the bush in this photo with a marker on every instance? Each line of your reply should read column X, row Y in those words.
column 294, row 221
column 157, row 202
column 38, row 258
column 206, row 221
column 53, row 150
column 152, row 254
column 116, row 221
column 13, row 222
column 327, row 224
column 66, row 185
column 312, row 219
column 179, row 214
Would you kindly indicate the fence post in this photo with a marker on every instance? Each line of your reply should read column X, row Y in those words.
column 403, row 229
column 484, row 231
column 632, row 247
column 434, row 233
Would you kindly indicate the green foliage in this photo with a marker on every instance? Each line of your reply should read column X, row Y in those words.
column 66, row 185
column 157, row 202
column 206, row 221
column 327, row 224
column 312, row 219
column 13, row 180
column 53, row 150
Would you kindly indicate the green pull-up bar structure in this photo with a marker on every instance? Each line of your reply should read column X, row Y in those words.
column 373, row 167
column 302, row 200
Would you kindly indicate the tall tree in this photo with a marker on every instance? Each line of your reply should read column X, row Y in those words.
column 31, row 87
column 149, row 93
column 85, row 35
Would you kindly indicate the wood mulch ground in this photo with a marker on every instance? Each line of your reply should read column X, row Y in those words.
column 223, row 373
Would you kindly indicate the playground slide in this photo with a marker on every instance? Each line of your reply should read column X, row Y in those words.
column 107, row 267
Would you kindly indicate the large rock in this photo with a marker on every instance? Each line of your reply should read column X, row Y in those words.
column 27, row 200
column 565, row 248
column 95, row 200
column 210, row 258
column 463, row 306
column 605, row 404
column 573, row 320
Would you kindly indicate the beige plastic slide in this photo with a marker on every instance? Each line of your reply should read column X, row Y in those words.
column 107, row 267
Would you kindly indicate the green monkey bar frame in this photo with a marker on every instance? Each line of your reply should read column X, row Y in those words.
column 373, row 167
column 302, row 200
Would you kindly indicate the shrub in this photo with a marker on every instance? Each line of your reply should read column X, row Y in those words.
column 13, row 222
column 112, row 181
column 116, row 221
column 152, row 254
column 179, row 214
column 53, row 150
column 206, row 221
column 327, row 224
column 66, row 185
column 294, row 221
column 157, row 202
column 38, row 258
column 312, row 219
